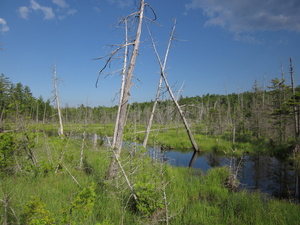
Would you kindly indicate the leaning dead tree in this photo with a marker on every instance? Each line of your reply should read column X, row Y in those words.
column 61, row 128
column 148, row 129
column 131, row 49
column 163, row 75
column 159, row 87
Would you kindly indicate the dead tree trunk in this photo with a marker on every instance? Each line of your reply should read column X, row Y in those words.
column 122, row 84
column 157, row 95
column 296, row 118
column 61, row 128
column 163, row 75
column 125, row 94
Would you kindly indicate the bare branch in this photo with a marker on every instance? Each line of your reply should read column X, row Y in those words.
column 73, row 178
column 154, row 13
column 111, row 55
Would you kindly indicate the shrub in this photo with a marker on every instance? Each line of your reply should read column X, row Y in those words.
column 149, row 201
column 81, row 207
column 7, row 149
column 36, row 214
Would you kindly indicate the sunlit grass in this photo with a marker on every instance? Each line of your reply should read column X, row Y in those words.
column 193, row 197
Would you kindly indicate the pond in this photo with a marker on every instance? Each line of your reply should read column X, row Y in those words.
column 270, row 175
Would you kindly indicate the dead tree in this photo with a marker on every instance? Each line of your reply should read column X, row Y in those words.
column 156, row 97
column 61, row 128
column 296, row 116
column 163, row 75
column 127, row 75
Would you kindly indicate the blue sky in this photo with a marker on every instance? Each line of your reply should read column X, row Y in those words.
column 219, row 45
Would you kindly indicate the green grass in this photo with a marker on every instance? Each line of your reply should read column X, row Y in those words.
column 171, row 137
column 192, row 197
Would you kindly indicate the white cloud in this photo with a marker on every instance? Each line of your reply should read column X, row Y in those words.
column 48, row 12
column 97, row 9
column 246, row 16
column 60, row 10
column 24, row 12
column 71, row 11
column 121, row 3
column 61, row 3
column 3, row 26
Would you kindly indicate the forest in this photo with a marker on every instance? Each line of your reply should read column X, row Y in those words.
column 93, row 165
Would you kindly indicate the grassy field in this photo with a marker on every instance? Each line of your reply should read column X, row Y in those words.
column 50, row 180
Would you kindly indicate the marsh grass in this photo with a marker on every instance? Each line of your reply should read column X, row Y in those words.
column 169, row 137
column 192, row 196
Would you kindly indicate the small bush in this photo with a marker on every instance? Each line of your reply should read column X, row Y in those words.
column 149, row 201
column 36, row 214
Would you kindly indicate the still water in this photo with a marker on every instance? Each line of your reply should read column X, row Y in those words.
column 270, row 175
column 267, row 174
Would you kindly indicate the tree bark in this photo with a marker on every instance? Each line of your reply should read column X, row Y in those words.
column 126, row 95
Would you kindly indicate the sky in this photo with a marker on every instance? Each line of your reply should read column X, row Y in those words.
column 219, row 47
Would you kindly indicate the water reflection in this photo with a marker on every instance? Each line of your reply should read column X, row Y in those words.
column 270, row 175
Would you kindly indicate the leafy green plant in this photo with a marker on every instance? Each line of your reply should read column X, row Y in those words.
column 149, row 200
column 36, row 214
column 81, row 207
column 7, row 148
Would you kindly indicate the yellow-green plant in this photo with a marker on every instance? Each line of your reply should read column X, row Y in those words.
column 35, row 213
column 81, row 207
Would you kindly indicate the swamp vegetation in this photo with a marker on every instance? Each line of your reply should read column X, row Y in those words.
column 52, row 179
column 49, row 180
column 91, row 166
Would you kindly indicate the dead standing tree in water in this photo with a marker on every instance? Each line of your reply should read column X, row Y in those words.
column 127, row 75
column 163, row 75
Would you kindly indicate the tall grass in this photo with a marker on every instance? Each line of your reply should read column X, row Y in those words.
column 191, row 196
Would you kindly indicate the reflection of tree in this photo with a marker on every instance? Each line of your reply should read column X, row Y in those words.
column 272, row 176
column 237, row 165
column 194, row 157
column 256, row 169
column 297, row 186
column 213, row 160
column 285, row 180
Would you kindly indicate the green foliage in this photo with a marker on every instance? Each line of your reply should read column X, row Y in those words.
column 85, row 200
column 7, row 149
column 81, row 207
column 105, row 222
column 214, row 185
column 192, row 196
column 36, row 214
column 149, row 200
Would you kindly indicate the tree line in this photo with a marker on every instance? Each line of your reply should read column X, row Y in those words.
column 18, row 104
column 270, row 113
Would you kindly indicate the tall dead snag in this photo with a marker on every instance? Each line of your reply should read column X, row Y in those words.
column 163, row 75
column 296, row 116
column 61, row 128
column 127, row 75
column 122, row 83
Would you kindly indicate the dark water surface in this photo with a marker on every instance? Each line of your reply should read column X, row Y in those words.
column 270, row 175
column 267, row 174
